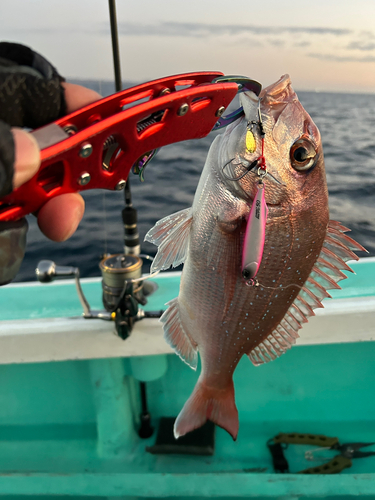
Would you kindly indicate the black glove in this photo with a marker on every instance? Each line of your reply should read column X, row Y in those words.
column 31, row 95
column 6, row 159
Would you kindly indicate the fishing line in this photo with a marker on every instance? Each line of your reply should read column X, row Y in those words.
column 105, row 224
column 255, row 283
column 148, row 276
column 104, row 201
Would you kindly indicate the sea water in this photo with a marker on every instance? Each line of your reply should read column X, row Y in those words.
column 347, row 126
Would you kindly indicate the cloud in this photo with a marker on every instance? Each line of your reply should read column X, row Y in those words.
column 48, row 31
column 276, row 42
column 199, row 30
column 363, row 46
column 295, row 37
column 338, row 58
column 247, row 41
column 302, row 44
column 367, row 34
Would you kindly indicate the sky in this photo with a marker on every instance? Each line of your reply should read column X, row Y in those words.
column 324, row 45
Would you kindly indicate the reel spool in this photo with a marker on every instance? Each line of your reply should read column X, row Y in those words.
column 116, row 270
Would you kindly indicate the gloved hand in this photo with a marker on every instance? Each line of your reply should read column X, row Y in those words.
column 32, row 94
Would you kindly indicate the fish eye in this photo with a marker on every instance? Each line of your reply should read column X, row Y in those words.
column 303, row 155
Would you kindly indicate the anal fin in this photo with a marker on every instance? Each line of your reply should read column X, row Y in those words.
column 271, row 348
column 176, row 336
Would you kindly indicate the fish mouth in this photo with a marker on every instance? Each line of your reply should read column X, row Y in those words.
column 277, row 90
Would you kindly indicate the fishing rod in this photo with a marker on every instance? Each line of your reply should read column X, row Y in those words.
column 115, row 45
column 129, row 213
column 129, row 216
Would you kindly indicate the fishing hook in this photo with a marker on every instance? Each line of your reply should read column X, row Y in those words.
column 260, row 121
column 247, row 168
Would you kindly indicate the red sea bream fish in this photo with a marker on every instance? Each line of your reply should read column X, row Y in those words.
column 217, row 313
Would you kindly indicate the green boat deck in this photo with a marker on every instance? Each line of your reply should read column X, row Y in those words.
column 69, row 428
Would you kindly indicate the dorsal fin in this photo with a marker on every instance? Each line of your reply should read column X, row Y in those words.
column 326, row 273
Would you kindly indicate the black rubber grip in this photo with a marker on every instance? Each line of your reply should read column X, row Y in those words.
column 129, row 216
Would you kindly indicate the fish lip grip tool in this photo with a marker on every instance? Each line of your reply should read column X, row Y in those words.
column 96, row 146
column 347, row 452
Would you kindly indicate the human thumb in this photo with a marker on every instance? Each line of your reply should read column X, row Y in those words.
column 27, row 157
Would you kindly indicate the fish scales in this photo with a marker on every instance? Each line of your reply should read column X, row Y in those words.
column 202, row 273
column 216, row 313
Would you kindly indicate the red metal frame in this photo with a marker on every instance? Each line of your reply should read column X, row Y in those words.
column 62, row 165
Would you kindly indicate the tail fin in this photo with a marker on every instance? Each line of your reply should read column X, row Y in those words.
column 208, row 403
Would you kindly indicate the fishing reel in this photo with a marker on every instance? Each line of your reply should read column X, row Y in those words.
column 123, row 289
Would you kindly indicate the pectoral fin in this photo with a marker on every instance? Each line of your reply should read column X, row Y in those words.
column 171, row 235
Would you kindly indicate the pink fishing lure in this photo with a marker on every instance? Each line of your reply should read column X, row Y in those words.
column 255, row 235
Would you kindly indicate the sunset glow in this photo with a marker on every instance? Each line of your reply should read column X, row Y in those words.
column 323, row 45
